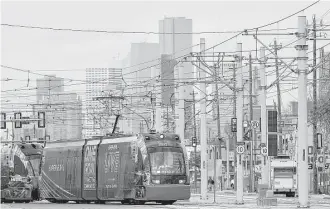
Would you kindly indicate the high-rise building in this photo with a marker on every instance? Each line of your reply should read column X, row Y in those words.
column 64, row 119
column 63, row 112
column 137, row 77
column 100, row 82
column 175, row 40
column 49, row 85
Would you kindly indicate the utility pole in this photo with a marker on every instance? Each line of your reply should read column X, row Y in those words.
column 263, row 83
column 301, row 48
column 218, row 127
column 13, row 131
column 153, row 99
column 279, row 105
column 159, row 127
column 203, row 131
column 180, row 126
column 195, row 135
column 314, row 110
column 227, row 164
column 167, row 120
column 234, row 133
column 239, row 192
column 251, row 188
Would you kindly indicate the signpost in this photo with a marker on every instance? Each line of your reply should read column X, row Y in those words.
column 240, row 149
column 264, row 151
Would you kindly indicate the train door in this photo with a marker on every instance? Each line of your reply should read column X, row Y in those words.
column 69, row 172
column 89, row 170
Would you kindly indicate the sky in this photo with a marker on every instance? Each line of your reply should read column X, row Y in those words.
column 68, row 54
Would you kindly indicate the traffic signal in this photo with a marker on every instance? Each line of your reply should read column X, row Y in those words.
column 42, row 120
column 319, row 141
column 18, row 115
column 194, row 141
column 3, row 122
column 234, row 125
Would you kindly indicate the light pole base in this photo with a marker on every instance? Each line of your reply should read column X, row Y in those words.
column 239, row 203
column 302, row 206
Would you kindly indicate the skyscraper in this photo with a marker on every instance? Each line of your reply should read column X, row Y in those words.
column 100, row 82
column 175, row 40
column 137, row 76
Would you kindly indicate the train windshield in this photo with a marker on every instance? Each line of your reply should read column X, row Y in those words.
column 284, row 171
column 166, row 161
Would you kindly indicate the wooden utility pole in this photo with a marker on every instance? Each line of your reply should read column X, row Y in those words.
column 314, row 110
column 279, row 101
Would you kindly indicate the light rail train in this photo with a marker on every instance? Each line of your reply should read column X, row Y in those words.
column 137, row 169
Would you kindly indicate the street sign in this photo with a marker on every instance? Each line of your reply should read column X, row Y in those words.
column 240, row 149
column 310, row 166
column 264, row 151
column 255, row 124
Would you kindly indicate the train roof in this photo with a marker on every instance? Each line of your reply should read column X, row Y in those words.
column 160, row 136
column 115, row 139
column 95, row 140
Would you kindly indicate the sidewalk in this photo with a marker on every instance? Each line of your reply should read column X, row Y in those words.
column 226, row 192
column 227, row 197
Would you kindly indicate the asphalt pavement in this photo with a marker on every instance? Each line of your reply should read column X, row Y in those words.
column 224, row 199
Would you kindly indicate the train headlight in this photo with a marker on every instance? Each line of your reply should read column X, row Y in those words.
column 162, row 136
column 181, row 181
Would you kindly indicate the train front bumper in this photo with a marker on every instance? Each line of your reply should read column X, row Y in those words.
column 167, row 192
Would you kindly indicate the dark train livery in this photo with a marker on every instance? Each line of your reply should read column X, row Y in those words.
column 130, row 169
